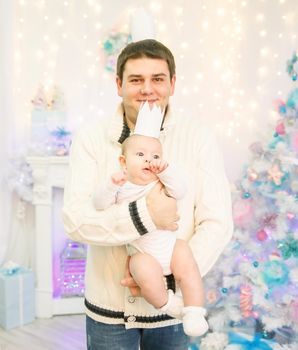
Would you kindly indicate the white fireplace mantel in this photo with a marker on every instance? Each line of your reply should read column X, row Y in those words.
column 48, row 172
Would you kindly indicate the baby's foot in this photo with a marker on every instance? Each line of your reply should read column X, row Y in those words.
column 194, row 322
column 174, row 305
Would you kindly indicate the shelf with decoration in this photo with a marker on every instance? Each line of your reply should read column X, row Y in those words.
column 59, row 262
column 52, row 296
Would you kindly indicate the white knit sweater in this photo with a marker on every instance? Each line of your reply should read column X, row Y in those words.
column 205, row 212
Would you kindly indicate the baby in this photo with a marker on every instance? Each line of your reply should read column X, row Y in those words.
column 158, row 253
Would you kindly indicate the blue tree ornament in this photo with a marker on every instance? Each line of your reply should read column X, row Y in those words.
column 292, row 67
column 275, row 273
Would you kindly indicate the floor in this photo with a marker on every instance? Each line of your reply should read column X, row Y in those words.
column 57, row 333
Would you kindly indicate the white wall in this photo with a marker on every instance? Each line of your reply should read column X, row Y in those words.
column 7, row 116
column 231, row 58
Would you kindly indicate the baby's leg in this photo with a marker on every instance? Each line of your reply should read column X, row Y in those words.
column 148, row 274
column 187, row 274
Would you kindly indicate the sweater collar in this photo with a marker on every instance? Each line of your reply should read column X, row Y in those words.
column 119, row 130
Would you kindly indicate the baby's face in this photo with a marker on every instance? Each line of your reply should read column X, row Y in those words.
column 140, row 151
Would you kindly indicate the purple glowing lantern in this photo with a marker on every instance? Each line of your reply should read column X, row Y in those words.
column 72, row 266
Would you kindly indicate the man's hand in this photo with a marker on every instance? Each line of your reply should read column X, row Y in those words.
column 129, row 282
column 162, row 208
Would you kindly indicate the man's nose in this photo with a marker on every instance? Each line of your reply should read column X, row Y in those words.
column 147, row 88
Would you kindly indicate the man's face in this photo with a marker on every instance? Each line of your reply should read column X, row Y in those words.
column 144, row 79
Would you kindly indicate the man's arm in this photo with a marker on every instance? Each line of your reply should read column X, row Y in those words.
column 213, row 213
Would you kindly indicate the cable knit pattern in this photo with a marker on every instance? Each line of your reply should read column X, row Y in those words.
column 205, row 210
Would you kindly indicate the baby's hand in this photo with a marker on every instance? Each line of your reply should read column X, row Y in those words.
column 158, row 165
column 118, row 179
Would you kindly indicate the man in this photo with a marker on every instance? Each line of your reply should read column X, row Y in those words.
column 116, row 318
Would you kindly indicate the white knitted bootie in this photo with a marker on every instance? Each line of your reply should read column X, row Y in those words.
column 194, row 322
column 174, row 305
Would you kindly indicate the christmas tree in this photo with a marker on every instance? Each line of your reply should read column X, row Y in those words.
column 252, row 293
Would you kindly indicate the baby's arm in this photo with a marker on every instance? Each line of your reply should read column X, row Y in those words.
column 106, row 195
column 170, row 177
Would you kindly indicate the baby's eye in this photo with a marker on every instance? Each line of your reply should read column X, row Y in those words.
column 140, row 154
column 156, row 156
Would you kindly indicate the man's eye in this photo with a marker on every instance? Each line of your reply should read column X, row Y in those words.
column 158, row 79
column 156, row 156
column 140, row 154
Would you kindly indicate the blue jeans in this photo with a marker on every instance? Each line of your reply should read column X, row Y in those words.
column 101, row 336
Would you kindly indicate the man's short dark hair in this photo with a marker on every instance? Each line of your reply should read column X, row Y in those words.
column 145, row 48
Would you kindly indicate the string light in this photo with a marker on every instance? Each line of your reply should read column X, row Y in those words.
column 60, row 22
column 260, row 17
column 155, row 6
column 97, row 8
column 179, row 11
column 216, row 59
column 98, row 25
column 205, row 24
column 221, row 12
column 162, row 27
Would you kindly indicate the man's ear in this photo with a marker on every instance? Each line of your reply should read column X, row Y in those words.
column 173, row 82
column 122, row 161
column 119, row 86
